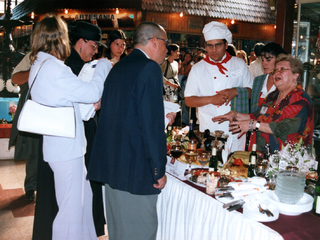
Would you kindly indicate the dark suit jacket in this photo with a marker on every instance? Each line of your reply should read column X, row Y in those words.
column 129, row 151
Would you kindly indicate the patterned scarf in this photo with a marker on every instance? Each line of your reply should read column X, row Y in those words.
column 219, row 64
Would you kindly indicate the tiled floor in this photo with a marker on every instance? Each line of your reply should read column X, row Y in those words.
column 12, row 176
column 15, row 220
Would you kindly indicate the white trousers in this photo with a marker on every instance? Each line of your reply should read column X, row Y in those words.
column 74, row 219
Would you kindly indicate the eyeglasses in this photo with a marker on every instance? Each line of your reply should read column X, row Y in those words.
column 165, row 40
column 94, row 46
column 280, row 70
column 216, row 46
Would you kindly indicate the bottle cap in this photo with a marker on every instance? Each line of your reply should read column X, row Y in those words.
column 169, row 127
column 191, row 121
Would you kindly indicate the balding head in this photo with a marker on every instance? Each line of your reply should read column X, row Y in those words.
column 145, row 31
column 152, row 39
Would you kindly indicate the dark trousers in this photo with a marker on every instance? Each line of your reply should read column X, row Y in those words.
column 90, row 128
column 46, row 207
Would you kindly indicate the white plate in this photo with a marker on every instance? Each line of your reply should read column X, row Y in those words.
column 303, row 205
column 251, row 210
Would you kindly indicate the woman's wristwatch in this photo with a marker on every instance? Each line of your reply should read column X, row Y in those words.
column 257, row 125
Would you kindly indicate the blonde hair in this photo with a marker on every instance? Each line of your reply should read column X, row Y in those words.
column 243, row 55
column 51, row 36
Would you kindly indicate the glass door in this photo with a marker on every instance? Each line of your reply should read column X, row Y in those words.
column 306, row 44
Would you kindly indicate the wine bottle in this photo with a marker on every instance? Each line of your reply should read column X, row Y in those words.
column 213, row 163
column 316, row 203
column 169, row 133
column 207, row 142
column 191, row 135
column 252, row 161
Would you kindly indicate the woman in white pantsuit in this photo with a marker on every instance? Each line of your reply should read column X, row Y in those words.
column 57, row 86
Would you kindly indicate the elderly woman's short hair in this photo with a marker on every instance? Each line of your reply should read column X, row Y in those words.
column 295, row 64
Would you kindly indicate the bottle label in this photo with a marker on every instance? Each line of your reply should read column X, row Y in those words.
column 318, row 205
column 315, row 166
column 253, row 160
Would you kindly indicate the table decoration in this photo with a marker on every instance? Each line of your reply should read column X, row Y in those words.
column 12, row 111
column 292, row 156
column 290, row 167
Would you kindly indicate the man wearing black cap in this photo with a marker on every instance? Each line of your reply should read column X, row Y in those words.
column 85, row 39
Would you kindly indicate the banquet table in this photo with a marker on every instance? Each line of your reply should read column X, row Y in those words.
column 185, row 212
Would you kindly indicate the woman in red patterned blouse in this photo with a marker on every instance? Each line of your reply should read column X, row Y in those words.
column 286, row 114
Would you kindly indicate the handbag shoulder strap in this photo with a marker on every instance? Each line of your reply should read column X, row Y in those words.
column 34, row 79
column 165, row 73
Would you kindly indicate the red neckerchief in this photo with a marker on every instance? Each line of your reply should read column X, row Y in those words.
column 219, row 65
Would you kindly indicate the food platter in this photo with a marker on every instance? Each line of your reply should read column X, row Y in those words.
column 199, row 176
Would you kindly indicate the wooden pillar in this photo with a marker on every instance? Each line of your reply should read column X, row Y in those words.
column 285, row 18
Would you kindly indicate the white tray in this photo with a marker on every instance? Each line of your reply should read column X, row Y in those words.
column 303, row 205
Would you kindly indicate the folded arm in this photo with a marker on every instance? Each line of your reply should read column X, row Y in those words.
column 20, row 78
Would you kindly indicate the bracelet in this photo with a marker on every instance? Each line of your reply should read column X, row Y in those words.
column 251, row 125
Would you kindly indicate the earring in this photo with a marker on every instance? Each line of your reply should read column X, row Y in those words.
column 80, row 50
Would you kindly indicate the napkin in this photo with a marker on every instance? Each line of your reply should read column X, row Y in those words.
column 87, row 110
column 246, row 192
column 243, row 189
column 168, row 108
column 227, row 149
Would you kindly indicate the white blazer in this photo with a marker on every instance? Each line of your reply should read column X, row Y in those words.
column 56, row 85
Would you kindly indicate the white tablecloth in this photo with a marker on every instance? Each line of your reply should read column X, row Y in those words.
column 184, row 213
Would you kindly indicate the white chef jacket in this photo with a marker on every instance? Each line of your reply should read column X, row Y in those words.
column 205, row 80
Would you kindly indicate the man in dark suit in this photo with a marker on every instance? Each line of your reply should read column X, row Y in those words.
column 129, row 151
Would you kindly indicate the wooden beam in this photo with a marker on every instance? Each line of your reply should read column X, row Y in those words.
column 285, row 19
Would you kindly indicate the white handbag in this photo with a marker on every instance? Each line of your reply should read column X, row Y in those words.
column 46, row 120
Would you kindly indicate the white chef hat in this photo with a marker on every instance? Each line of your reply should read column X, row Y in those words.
column 216, row 30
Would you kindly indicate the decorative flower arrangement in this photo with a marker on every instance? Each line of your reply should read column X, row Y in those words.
column 12, row 111
column 294, row 155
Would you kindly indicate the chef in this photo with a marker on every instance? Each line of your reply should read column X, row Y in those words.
column 219, row 83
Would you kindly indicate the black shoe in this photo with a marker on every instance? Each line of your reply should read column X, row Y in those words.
column 30, row 196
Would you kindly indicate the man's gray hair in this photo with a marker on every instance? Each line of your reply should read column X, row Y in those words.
column 145, row 31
